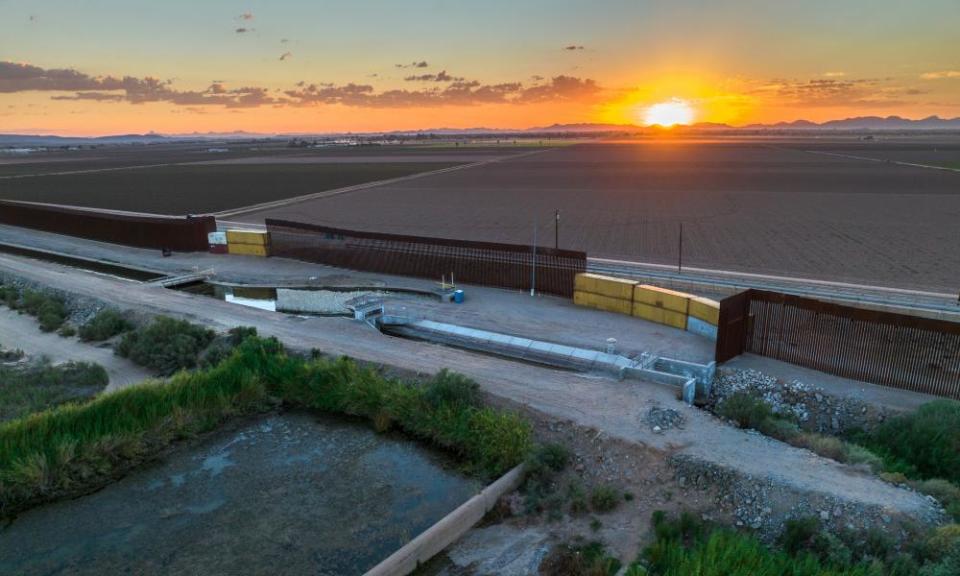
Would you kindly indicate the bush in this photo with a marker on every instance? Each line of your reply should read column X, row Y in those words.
column 542, row 466
column 781, row 429
column 943, row 540
column 105, row 325
column 826, row 446
column 923, row 444
column 39, row 386
column 166, row 345
column 67, row 331
column 604, row 499
column 577, row 497
column 860, row 456
column 453, row 390
column 746, row 410
column 947, row 493
column 221, row 348
column 50, row 311
column 579, row 560
column 9, row 296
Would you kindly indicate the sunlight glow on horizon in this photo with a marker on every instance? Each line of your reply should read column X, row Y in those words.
column 668, row 114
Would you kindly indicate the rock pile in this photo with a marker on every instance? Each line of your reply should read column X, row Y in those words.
column 662, row 419
column 810, row 406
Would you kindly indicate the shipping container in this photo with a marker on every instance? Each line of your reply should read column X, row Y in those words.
column 660, row 315
column 247, row 250
column 217, row 238
column 705, row 309
column 662, row 298
column 600, row 302
column 251, row 237
column 218, row 249
column 605, row 286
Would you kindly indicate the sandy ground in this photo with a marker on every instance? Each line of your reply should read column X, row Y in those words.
column 21, row 331
column 617, row 408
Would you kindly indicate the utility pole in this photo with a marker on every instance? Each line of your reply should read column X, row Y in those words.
column 556, row 230
column 533, row 269
column 680, row 252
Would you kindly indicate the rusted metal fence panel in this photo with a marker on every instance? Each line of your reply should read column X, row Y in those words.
column 732, row 326
column 484, row 263
column 895, row 350
column 181, row 234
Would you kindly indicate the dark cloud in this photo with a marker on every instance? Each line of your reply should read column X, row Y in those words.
column 15, row 77
column 286, row 56
column 453, row 91
column 573, row 47
column 457, row 93
column 284, row 40
column 243, row 30
column 441, row 77
column 862, row 92
column 561, row 88
column 420, row 64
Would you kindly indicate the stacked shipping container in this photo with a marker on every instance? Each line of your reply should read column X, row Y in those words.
column 660, row 305
column 248, row 242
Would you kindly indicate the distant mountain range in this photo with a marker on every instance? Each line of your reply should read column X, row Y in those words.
column 860, row 123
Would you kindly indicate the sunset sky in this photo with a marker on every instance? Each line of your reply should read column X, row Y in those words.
column 98, row 67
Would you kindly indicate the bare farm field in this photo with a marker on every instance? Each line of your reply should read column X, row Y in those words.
column 764, row 206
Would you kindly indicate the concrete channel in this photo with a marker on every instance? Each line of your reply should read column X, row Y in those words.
column 690, row 378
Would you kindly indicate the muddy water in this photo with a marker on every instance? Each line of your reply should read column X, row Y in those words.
column 288, row 494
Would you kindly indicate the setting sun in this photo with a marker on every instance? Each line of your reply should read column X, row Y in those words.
column 670, row 113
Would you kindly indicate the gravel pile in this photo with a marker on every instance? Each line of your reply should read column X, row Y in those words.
column 663, row 419
column 810, row 406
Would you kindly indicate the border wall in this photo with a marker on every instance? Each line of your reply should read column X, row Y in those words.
column 483, row 263
column 894, row 350
column 180, row 234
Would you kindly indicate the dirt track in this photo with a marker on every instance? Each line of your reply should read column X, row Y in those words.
column 616, row 408
column 21, row 331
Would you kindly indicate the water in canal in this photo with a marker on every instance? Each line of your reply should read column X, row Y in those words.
column 286, row 494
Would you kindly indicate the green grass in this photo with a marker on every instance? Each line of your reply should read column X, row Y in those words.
column 685, row 546
column 923, row 444
column 51, row 453
column 38, row 386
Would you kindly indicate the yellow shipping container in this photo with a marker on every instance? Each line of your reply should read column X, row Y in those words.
column 605, row 286
column 247, row 250
column 660, row 315
column 705, row 309
column 252, row 237
column 600, row 302
column 662, row 298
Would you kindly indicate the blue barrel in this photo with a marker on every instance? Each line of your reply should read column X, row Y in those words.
column 458, row 296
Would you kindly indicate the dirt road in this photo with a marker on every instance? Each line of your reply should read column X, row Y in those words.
column 21, row 331
column 615, row 408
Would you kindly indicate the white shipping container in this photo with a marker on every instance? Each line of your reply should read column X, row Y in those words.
column 217, row 238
